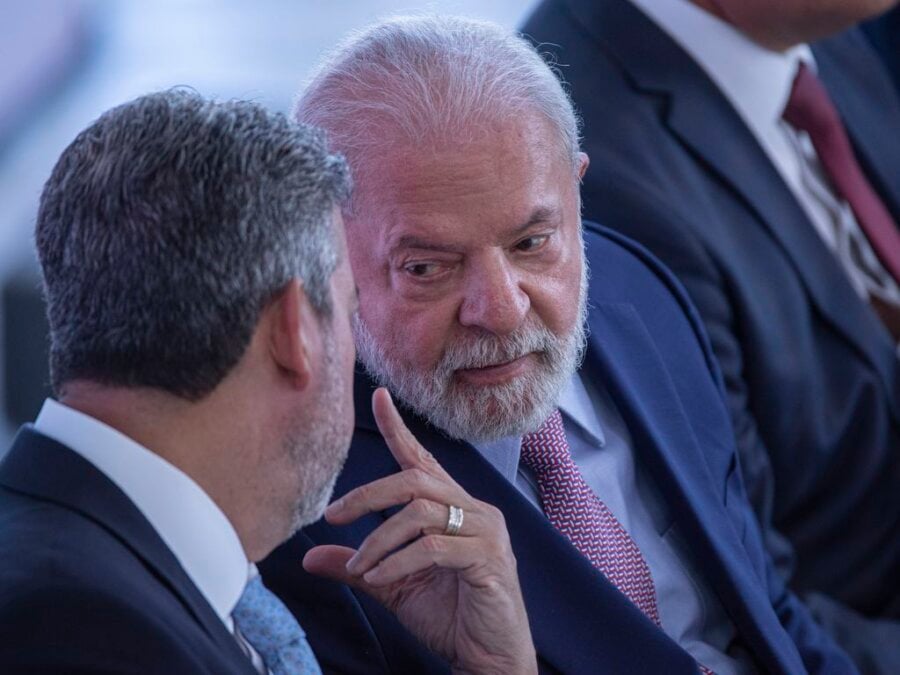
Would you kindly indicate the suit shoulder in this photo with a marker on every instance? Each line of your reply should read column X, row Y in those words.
column 602, row 242
column 624, row 271
column 56, row 556
column 39, row 536
column 60, row 624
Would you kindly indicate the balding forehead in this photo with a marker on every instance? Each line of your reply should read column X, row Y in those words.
column 426, row 81
column 460, row 154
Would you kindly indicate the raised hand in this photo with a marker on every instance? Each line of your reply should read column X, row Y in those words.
column 458, row 593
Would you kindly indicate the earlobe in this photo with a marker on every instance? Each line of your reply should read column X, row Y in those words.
column 290, row 339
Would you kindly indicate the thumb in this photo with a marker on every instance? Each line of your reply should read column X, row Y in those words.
column 330, row 561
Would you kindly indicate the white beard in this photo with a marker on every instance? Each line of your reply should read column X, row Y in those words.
column 483, row 413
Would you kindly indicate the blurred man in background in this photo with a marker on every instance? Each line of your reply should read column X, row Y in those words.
column 200, row 303
column 752, row 145
column 884, row 33
column 617, row 477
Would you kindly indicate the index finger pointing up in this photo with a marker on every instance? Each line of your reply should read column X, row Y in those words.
column 408, row 452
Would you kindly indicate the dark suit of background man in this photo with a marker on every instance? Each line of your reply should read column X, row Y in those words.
column 884, row 33
column 199, row 301
column 618, row 479
column 714, row 157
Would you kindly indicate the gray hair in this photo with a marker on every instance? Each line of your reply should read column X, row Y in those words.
column 165, row 228
column 426, row 77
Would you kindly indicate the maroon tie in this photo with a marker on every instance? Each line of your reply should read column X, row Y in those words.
column 810, row 109
column 574, row 509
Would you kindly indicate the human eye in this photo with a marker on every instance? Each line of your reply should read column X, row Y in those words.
column 422, row 269
column 532, row 243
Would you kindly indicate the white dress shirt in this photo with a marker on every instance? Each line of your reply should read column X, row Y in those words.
column 758, row 82
column 190, row 523
column 601, row 446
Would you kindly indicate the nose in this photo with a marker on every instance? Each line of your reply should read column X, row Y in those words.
column 494, row 299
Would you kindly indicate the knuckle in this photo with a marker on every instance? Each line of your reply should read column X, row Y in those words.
column 363, row 493
column 422, row 508
column 414, row 478
column 432, row 544
column 494, row 516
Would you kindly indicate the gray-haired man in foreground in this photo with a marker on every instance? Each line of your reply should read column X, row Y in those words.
column 200, row 305
column 617, row 475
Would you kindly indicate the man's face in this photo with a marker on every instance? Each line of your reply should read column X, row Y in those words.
column 320, row 438
column 470, row 267
column 779, row 24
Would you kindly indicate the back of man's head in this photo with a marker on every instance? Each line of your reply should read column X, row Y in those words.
column 164, row 229
column 427, row 81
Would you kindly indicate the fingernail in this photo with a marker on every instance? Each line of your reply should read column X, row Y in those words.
column 353, row 563
column 372, row 575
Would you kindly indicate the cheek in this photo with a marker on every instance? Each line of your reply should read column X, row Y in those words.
column 554, row 298
column 349, row 354
column 413, row 333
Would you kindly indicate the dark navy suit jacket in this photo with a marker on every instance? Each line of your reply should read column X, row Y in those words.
column 86, row 583
column 812, row 375
column 648, row 348
column 884, row 33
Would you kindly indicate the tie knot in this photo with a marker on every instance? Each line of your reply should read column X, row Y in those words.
column 546, row 447
column 810, row 108
column 263, row 619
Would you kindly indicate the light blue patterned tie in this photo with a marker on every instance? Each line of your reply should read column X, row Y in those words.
column 272, row 630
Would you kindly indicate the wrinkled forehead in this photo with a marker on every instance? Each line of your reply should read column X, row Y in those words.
column 516, row 160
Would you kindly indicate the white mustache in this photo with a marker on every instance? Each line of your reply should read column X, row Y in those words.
column 489, row 350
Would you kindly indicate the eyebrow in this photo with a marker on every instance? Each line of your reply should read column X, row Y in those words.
column 541, row 214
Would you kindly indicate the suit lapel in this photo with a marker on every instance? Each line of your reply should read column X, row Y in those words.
column 568, row 600
column 705, row 122
column 847, row 57
column 629, row 365
column 41, row 467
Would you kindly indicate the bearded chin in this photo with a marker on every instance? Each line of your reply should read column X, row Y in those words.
column 481, row 413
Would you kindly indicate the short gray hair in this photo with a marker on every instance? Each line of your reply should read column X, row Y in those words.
column 422, row 77
column 165, row 228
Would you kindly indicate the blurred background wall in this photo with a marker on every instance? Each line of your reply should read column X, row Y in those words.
column 63, row 62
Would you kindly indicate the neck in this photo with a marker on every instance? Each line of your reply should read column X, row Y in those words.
column 209, row 444
column 769, row 34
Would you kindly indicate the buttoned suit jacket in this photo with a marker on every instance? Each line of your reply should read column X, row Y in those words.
column 86, row 583
column 648, row 349
column 812, row 375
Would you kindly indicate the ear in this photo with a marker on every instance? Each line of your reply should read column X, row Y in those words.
column 293, row 333
column 583, row 162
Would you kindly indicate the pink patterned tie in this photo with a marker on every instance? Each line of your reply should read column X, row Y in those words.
column 574, row 509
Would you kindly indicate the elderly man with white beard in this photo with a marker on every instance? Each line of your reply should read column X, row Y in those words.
column 590, row 413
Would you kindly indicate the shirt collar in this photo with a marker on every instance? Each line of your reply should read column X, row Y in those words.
column 190, row 523
column 576, row 405
column 757, row 81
